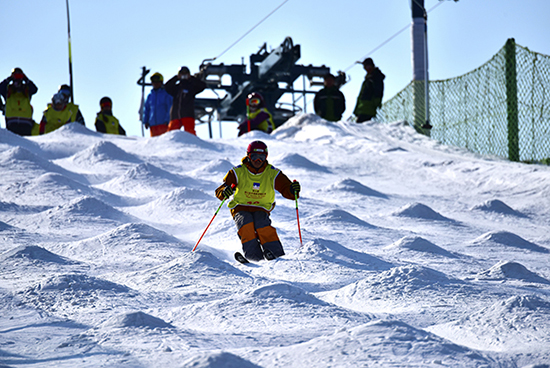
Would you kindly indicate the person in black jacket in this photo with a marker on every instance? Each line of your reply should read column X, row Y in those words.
column 183, row 87
column 329, row 102
column 372, row 92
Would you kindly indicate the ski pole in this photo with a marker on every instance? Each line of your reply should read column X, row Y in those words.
column 298, row 218
column 70, row 53
column 218, row 210
column 142, row 83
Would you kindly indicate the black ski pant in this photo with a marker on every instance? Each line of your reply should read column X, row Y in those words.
column 20, row 126
column 257, row 235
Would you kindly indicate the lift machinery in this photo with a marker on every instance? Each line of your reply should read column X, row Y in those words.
column 271, row 73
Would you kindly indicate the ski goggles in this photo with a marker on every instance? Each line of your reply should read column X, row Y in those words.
column 254, row 102
column 258, row 156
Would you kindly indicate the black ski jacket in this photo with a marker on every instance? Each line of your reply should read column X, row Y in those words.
column 184, row 92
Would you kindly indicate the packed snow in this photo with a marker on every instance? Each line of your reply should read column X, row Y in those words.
column 414, row 254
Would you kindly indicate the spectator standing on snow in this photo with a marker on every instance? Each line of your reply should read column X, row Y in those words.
column 17, row 91
column 156, row 115
column 258, row 117
column 58, row 113
column 372, row 91
column 183, row 88
column 329, row 102
column 255, row 183
column 105, row 122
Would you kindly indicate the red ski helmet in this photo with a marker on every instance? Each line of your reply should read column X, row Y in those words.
column 257, row 147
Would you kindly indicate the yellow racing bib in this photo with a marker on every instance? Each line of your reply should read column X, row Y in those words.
column 256, row 190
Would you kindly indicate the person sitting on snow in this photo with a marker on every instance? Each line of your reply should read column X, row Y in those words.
column 66, row 90
column 57, row 114
column 105, row 122
column 258, row 117
column 255, row 183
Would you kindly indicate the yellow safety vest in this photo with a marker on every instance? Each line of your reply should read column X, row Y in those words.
column 256, row 190
column 18, row 105
column 111, row 123
column 35, row 129
column 266, row 124
column 56, row 119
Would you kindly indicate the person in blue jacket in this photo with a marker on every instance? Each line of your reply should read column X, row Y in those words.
column 156, row 114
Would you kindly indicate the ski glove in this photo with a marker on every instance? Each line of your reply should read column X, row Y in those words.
column 295, row 187
column 227, row 192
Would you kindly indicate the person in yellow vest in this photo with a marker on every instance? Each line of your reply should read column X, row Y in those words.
column 255, row 182
column 65, row 89
column 17, row 91
column 57, row 114
column 105, row 122
column 258, row 117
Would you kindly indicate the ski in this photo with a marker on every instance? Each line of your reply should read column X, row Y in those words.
column 240, row 258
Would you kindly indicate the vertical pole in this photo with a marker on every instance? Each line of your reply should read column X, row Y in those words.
column 142, row 83
column 419, row 35
column 426, row 79
column 512, row 100
column 70, row 52
column 304, row 92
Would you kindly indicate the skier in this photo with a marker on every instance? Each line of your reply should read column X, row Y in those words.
column 255, row 183
column 17, row 90
column 258, row 117
column 105, row 122
column 156, row 115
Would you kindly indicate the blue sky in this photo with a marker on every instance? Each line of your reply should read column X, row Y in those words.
column 112, row 40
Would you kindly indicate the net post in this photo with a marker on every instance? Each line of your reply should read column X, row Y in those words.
column 512, row 100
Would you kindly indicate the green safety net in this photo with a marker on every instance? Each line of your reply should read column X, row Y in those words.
column 501, row 108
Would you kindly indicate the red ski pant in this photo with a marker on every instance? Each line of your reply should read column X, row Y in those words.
column 157, row 130
column 187, row 123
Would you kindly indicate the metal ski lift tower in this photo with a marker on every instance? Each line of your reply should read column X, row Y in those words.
column 271, row 73
column 419, row 39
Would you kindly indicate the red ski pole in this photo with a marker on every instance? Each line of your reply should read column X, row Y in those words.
column 218, row 210
column 298, row 218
